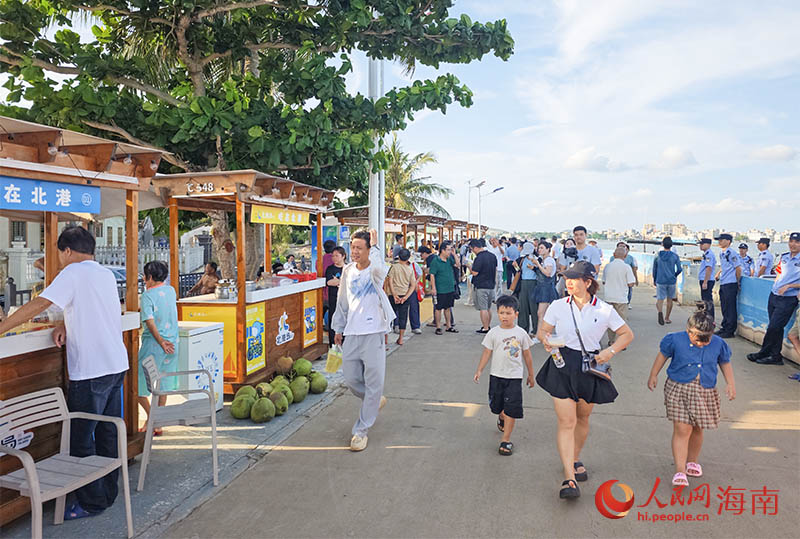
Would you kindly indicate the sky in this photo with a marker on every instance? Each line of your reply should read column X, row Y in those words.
column 617, row 113
column 623, row 112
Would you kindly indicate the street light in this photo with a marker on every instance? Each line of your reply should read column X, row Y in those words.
column 470, row 187
column 496, row 189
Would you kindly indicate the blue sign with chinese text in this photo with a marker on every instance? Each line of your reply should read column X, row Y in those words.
column 22, row 194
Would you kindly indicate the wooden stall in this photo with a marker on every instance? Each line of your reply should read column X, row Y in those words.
column 50, row 175
column 261, row 324
column 456, row 229
column 427, row 222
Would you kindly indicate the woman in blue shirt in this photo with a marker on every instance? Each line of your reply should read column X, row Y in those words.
column 160, row 333
column 690, row 393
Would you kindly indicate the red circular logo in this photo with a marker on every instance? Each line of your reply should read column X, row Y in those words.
column 608, row 505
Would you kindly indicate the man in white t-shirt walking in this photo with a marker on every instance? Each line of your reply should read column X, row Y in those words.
column 364, row 316
column 96, row 356
column 617, row 280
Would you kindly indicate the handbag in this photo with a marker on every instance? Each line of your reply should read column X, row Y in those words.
column 515, row 283
column 590, row 364
column 334, row 360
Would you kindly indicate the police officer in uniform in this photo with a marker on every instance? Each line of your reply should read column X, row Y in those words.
column 764, row 260
column 728, row 276
column 748, row 266
column 781, row 305
column 706, row 275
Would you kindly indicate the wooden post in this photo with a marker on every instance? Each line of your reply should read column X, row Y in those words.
column 132, row 304
column 174, row 247
column 424, row 234
column 320, row 218
column 405, row 234
column 441, row 235
column 241, row 299
column 267, row 248
column 416, row 237
column 50, row 247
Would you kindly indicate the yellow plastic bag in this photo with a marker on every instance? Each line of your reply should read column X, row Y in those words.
column 334, row 361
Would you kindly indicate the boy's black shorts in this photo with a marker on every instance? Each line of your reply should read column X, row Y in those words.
column 505, row 395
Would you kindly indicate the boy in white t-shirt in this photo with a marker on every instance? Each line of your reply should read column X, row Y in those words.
column 507, row 345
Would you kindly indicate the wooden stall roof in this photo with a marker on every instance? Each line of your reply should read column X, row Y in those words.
column 456, row 224
column 219, row 190
column 428, row 220
column 42, row 152
column 359, row 215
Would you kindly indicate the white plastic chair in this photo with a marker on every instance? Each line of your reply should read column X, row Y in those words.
column 190, row 412
column 57, row 476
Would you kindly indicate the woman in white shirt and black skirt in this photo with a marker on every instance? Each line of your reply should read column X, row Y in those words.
column 575, row 382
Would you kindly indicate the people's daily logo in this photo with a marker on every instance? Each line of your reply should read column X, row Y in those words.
column 608, row 504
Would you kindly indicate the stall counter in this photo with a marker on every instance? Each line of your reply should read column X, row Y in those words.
column 278, row 321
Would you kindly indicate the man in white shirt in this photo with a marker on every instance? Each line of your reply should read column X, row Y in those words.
column 617, row 280
column 96, row 356
column 364, row 315
column 497, row 250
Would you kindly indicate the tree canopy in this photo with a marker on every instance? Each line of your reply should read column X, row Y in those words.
column 229, row 85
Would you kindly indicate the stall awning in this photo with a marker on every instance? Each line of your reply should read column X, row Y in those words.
column 41, row 152
column 428, row 220
column 456, row 224
column 359, row 215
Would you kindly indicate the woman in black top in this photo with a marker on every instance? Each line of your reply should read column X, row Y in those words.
column 332, row 276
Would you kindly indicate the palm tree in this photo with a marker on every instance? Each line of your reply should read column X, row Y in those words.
column 405, row 189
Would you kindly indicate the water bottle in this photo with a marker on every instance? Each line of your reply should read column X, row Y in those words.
column 556, row 342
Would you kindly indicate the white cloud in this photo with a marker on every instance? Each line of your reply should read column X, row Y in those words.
column 643, row 193
column 675, row 157
column 779, row 152
column 730, row 205
column 522, row 131
column 589, row 159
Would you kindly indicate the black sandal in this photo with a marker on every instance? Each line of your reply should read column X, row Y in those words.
column 506, row 448
column 501, row 424
column 438, row 331
column 569, row 490
column 451, row 330
column 580, row 476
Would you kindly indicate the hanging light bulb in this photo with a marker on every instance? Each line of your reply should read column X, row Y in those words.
column 153, row 165
column 52, row 149
column 127, row 159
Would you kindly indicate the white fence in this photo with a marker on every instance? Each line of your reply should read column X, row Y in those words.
column 190, row 258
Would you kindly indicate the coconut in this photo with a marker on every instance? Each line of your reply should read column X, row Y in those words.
column 318, row 383
column 240, row 407
column 263, row 389
column 287, row 392
column 280, row 379
column 263, row 410
column 246, row 390
column 299, row 387
column 280, row 402
column 302, row 367
column 284, row 365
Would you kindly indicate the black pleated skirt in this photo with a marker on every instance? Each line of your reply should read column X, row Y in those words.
column 569, row 382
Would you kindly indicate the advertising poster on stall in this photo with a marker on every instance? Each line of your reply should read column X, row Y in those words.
column 212, row 313
column 255, row 335
column 309, row 318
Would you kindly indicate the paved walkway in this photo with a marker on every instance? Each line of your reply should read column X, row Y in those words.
column 432, row 467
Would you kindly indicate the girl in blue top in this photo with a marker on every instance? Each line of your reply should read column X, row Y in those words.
column 690, row 393
column 160, row 333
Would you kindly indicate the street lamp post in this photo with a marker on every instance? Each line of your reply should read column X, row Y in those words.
column 470, row 187
column 479, row 202
column 377, row 186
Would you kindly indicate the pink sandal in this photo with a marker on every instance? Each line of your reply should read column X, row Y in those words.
column 679, row 480
column 694, row 470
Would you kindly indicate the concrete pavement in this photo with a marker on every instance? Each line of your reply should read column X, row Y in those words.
column 432, row 467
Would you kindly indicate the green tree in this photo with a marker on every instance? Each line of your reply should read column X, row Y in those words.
column 249, row 84
column 405, row 188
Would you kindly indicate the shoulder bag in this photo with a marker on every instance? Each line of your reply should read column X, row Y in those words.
column 589, row 364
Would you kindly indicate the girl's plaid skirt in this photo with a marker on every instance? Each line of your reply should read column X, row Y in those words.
column 692, row 404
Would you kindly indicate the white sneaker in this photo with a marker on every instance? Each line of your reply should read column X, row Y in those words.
column 416, row 331
column 535, row 341
column 629, row 307
column 358, row 443
column 383, row 403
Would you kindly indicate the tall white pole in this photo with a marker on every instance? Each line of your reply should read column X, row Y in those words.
column 480, row 230
column 469, row 200
column 376, row 196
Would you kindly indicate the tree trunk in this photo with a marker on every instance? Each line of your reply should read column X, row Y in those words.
column 254, row 252
column 220, row 232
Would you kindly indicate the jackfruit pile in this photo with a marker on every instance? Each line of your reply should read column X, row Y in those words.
column 294, row 381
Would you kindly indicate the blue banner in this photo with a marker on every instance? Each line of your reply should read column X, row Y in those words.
column 37, row 195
